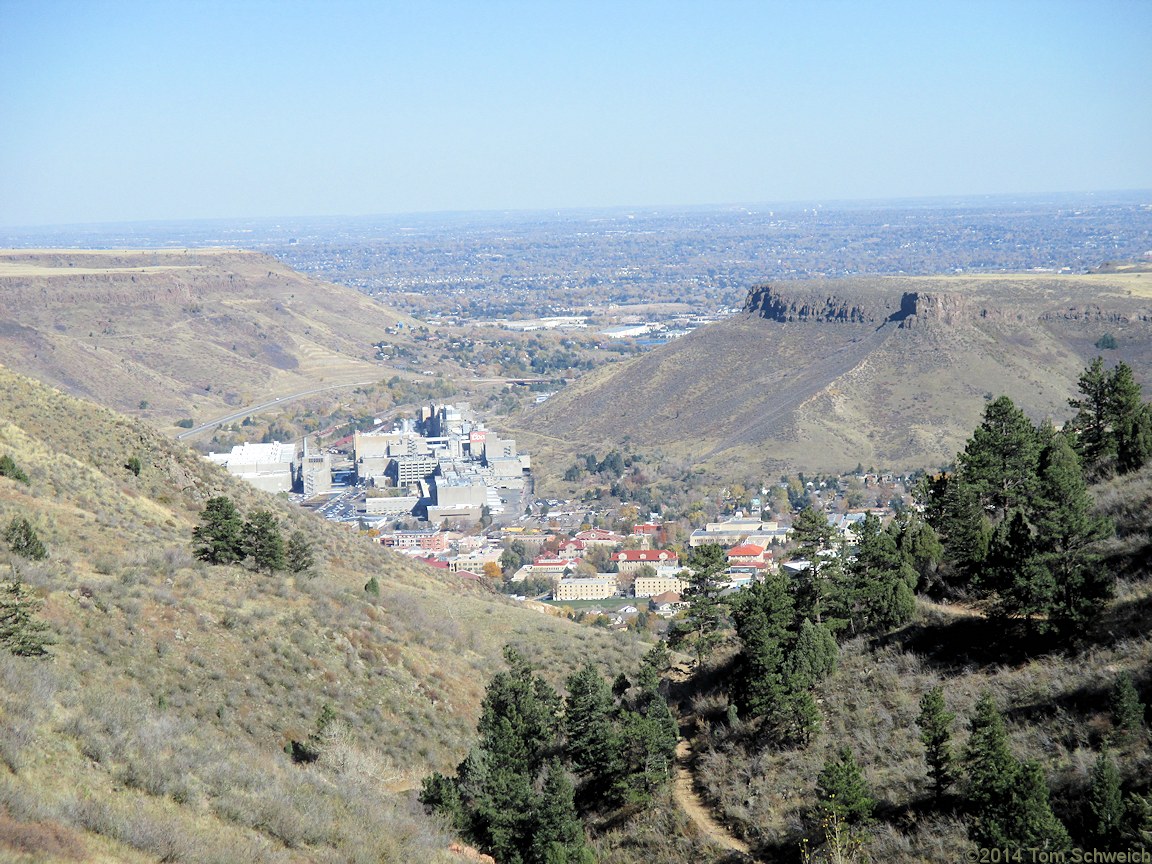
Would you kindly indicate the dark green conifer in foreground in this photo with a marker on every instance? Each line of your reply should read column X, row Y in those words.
column 876, row 591
column 842, row 790
column 1105, row 805
column 514, row 797
column 263, row 542
column 700, row 629
column 219, row 538
column 1008, row 799
column 1127, row 709
column 935, row 722
column 1026, row 539
column 1112, row 428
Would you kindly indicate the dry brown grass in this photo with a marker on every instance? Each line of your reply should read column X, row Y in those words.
column 1055, row 705
column 747, row 394
column 157, row 728
column 194, row 333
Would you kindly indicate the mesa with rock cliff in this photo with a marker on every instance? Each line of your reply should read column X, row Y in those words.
column 825, row 374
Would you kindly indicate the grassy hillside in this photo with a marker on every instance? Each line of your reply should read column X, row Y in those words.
column 156, row 728
column 839, row 373
column 1055, row 698
column 174, row 334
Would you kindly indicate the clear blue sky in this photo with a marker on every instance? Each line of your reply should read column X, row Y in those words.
column 173, row 109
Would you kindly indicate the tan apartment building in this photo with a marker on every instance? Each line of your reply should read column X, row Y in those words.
column 650, row 586
column 597, row 588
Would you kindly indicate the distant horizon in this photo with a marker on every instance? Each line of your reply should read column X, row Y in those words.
column 141, row 111
column 895, row 202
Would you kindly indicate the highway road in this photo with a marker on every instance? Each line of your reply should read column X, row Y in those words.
column 263, row 406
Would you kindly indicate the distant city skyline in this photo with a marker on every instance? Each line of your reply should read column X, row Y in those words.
column 130, row 111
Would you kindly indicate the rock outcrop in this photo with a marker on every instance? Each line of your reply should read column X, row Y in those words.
column 816, row 303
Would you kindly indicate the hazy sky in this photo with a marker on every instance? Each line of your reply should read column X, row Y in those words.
column 171, row 109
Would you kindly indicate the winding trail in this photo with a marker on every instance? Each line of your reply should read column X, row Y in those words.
column 685, row 794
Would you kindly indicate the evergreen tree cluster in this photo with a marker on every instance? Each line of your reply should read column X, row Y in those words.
column 1017, row 525
column 1006, row 799
column 787, row 624
column 539, row 760
column 225, row 537
column 1112, row 428
column 783, row 656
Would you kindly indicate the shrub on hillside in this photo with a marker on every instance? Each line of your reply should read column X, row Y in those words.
column 9, row 468
column 22, row 539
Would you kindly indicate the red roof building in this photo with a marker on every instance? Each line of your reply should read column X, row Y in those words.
column 746, row 553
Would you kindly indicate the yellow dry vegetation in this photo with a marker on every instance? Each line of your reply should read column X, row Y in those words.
column 157, row 728
column 1123, row 282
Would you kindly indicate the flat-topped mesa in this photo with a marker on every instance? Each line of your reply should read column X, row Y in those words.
column 838, row 303
column 812, row 304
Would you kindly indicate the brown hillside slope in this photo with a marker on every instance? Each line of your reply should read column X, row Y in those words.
column 156, row 728
column 189, row 332
column 889, row 372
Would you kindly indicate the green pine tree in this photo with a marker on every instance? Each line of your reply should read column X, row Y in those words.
column 935, row 722
column 1112, row 427
column 764, row 615
column 590, row 743
column 1105, row 804
column 1008, row 799
column 1068, row 531
column 702, row 624
column 647, row 736
column 841, row 789
column 298, row 554
column 813, row 656
column 1090, row 425
column 1134, row 441
column 557, row 835
column 920, row 545
column 21, row 632
column 219, row 538
column 1000, row 459
column 957, row 514
column 814, row 537
column 1126, row 708
column 1136, row 832
column 1031, row 824
column 1015, row 573
column 263, row 542
column 990, row 771
column 22, row 539
column 876, row 592
column 519, row 718
column 495, row 802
